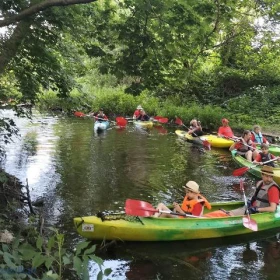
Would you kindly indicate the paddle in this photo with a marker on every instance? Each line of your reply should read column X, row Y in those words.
column 121, row 121
column 242, row 170
column 205, row 143
column 160, row 119
column 79, row 114
column 180, row 122
column 247, row 221
column 144, row 209
column 274, row 145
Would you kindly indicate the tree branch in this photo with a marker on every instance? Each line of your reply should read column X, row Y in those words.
column 40, row 7
column 11, row 46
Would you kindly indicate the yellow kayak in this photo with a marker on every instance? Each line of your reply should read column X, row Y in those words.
column 144, row 124
column 214, row 140
column 217, row 142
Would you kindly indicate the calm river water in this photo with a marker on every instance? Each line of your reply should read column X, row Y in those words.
column 79, row 173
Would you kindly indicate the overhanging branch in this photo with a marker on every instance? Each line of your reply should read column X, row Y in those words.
column 40, row 7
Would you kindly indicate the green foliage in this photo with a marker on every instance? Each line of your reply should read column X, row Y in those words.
column 47, row 259
column 259, row 105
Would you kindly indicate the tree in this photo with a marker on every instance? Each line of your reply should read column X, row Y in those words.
column 34, row 47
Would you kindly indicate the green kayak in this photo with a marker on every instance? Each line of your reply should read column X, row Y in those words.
column 254, row 169
column 273, row 149
column 128, row 228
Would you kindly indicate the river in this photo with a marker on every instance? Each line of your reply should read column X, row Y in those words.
column 78, row 173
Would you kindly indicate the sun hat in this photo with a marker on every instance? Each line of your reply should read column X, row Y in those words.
column 225, row 121
column 193, row 186
column 139, row 107
column 268, row 170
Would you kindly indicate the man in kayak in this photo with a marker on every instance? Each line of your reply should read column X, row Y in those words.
column 143, row 116
column 257, row 136
column 264, row 156
column 245, row 146
column 136, row 113
column 195, row 128
column 266, row 196
column 225, row 130
column 193, row 203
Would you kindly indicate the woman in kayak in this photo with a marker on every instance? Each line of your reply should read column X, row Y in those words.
column 195, row 128
column 257, row 136
column 245, row 146
column 225, row 130
column 193, row 203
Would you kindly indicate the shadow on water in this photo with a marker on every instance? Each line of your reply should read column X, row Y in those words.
column 199, row 259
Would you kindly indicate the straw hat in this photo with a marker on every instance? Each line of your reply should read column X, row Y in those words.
column 268, row 170
column 139, row 107
column 193, row 186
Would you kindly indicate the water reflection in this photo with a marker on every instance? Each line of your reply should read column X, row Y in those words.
column 80, row 173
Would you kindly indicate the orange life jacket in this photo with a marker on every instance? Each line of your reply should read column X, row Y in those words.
column 188, row 205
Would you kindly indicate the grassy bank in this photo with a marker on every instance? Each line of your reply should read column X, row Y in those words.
column 258, row 106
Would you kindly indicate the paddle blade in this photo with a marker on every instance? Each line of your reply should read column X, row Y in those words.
column 79, row 114
column 178, row 121
column 157, row 118
column 250, row 223
column 122, row 122
column 240, row 171
column 163, row 120
column 139, row 208
column 206, row 143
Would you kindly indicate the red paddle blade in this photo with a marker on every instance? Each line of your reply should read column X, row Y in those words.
column 122, row 122
column 79, row 114
column 139, row 208
column 163, row 120
column 250, row 223
column 178, row 121
column 157, row 117
column 240, row 171
column 207, row 145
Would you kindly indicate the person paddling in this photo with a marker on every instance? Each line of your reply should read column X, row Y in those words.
column 101, row 116
column 136, row 113
column 257, row 136
column 264, row 156
column 195, row 128
column 266, row 196
column 193, row 203
column 143, row 116
column 245, row 147
column 225, row 130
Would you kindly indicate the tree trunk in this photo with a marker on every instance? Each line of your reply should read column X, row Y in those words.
column 12, row 44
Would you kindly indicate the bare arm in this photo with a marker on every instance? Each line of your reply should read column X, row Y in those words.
column 271, row 208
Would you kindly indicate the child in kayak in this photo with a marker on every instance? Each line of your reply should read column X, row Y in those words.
column 193, row 203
